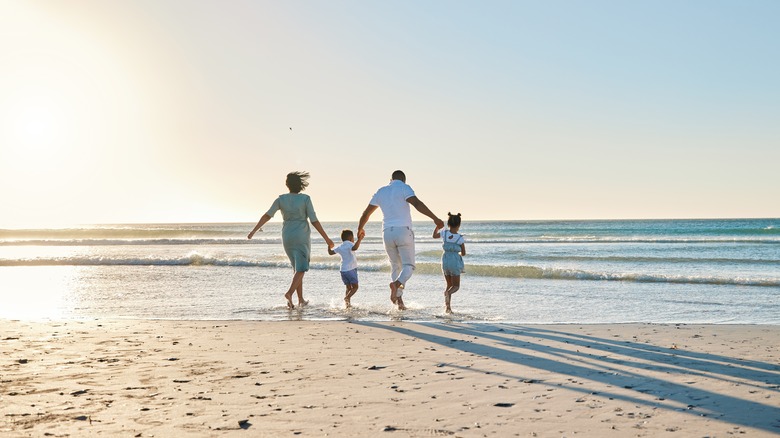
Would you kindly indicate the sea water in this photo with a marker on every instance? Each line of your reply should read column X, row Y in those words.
column 655, row 271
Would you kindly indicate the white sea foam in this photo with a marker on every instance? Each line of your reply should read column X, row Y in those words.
column 519, row 272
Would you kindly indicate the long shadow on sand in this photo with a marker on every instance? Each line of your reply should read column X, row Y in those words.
column 619, row 364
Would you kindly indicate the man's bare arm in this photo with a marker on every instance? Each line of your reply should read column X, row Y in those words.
column 364, row 219
column 422, row 208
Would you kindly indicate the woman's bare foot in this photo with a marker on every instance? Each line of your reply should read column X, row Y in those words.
column 288, row 297
column 302, row 303
column 400, row 302
column 392, row 292
column 348, row 304
column 447, row 310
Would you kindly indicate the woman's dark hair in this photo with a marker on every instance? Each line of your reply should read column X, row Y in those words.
column 297, row 181
column 454, row 220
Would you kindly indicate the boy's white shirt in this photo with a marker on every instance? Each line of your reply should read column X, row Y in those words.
column 348, row 259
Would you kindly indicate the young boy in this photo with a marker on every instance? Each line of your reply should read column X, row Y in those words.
column 348, row 263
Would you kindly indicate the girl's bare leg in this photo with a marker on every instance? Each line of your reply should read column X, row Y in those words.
column 295, row 285
column 448, row 279
column 454, row 284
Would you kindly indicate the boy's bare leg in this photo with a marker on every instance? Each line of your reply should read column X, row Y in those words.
column 353, row 291
column 346, row 296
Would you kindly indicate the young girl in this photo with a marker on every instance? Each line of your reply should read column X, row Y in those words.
column 451, row 261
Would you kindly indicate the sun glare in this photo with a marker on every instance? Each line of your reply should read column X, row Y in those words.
column 37, row 132
column 36, row 293
column 38, row 125
column 67, row 101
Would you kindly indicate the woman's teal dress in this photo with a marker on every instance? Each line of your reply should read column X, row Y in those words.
column 297, row 211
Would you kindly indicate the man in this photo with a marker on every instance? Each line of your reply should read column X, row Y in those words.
column 394, row 200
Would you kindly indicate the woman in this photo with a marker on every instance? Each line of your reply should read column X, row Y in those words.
column 296, row 235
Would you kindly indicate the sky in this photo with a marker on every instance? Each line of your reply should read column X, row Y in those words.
column 194, row 111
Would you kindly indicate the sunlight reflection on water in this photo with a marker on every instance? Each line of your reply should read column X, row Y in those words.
column 32, row 293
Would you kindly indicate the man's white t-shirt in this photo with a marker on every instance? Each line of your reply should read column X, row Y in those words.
column 392, row 200
column 348, row 259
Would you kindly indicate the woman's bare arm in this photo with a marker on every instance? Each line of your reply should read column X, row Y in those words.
column 265, row 218
column 322, row 232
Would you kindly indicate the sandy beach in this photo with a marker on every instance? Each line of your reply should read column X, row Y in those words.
column 396, row 379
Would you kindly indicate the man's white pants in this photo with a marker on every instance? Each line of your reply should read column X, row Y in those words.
column 399, row 244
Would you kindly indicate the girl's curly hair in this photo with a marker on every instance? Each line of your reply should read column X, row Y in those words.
column 454, row 220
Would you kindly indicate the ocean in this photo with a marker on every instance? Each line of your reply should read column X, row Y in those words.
column 617, row 271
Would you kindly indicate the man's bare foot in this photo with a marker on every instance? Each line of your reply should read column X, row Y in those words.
column 392, row 292
column 288, row 297
column 400, row 302
column 346, row 301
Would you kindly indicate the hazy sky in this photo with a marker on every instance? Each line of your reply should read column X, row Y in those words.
column 172, row 111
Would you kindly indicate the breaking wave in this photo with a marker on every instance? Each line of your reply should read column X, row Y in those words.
column 517, row 272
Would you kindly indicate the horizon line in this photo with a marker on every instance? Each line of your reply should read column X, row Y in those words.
column 38, row 227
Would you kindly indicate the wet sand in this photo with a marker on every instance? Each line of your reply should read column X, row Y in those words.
column 395, row 379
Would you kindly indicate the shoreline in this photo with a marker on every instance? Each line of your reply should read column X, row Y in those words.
column 338, row 378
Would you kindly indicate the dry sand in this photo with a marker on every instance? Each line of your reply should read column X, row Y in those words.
column 391, row 379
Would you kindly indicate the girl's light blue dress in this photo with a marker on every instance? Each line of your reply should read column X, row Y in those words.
column 451, row 261
column 297, row 211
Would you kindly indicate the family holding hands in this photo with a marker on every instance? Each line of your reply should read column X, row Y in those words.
column 394, row 201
